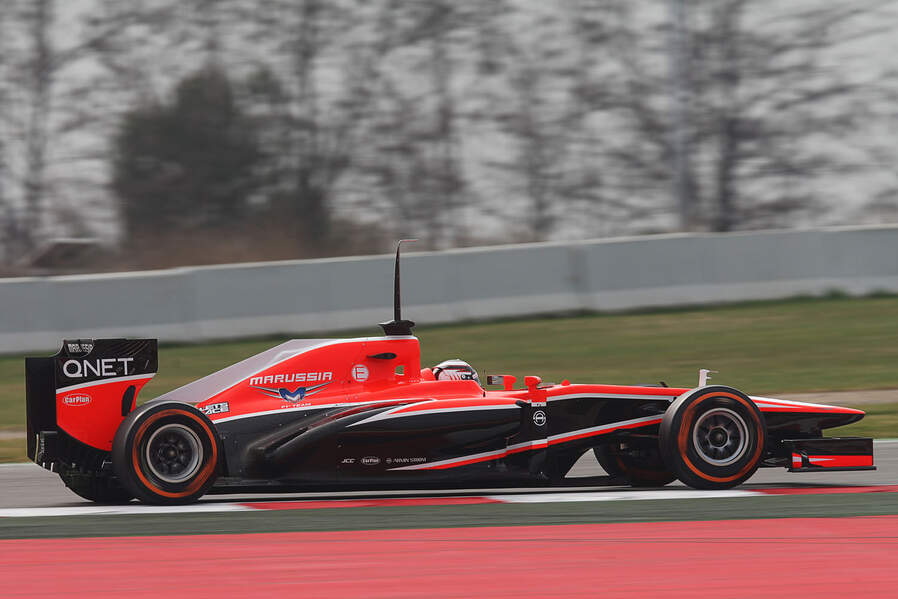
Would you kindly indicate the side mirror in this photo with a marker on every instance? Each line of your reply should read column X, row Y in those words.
column 506, row 380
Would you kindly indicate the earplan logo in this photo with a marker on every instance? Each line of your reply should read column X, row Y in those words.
column 291, row 394
column 76, row 399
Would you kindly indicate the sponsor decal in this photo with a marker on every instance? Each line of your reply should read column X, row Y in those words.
column 348, row 461
column 101, row 367
column 406, row 460
column 294, row 396
column 293, row 377
column 216, row 408
column 370, row 460
column 84, row 347
column 76, row 399
column 360, row 373
column 539, row 418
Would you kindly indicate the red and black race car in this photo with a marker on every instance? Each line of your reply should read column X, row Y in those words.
column 363, row 414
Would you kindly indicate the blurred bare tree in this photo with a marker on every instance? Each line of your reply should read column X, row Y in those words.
column 412, row 119
column 455, row 122
column 882, row 206
column 308, row 105
column 188, row 165
column 390, row 177
column 275, row 50
column 29, row 68
column 553, row 118
column 438, row 20
column 536, row 122
column 10, row 225
column 766, row 116
column 49, row 150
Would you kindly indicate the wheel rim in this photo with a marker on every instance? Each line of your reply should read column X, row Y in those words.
column 174, row 453
column 720, row 437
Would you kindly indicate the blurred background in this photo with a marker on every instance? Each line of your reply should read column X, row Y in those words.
column 150, row 134
column 141, row 134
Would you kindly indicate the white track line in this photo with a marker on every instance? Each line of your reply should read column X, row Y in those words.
column 622, row 496
column 118, row 510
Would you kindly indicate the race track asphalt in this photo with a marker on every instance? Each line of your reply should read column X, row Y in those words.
column 815, row 495
column 27, row 485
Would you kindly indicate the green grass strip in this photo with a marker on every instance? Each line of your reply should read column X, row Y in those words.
column 800, row 345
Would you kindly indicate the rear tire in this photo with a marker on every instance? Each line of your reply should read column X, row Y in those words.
column 642, row 466
column 166, row 453
column 713, row 437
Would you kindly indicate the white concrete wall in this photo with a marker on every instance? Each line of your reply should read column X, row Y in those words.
column 198, row 303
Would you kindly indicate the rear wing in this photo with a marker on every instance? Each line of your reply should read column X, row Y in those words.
column 76, row 399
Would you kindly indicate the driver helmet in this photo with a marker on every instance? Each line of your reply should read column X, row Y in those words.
column 455, row 370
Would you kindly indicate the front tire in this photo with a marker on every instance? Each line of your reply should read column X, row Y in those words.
column 166, row 453
column 713, row 437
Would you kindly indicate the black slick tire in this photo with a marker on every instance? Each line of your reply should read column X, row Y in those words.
column 713, row 437
column 166, row 453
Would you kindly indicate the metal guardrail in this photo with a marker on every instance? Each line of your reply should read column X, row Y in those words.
column 216, row 302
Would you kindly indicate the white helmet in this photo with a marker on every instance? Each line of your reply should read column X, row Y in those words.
column 455, row 370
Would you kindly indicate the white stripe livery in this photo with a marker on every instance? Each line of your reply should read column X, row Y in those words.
column 479, row 457
column 112, row 379
column 391, row 413
column 535, row 444
column 398, row 413
column 768, row 402
column 605, row 428
column 610, row 396
column 347, row 404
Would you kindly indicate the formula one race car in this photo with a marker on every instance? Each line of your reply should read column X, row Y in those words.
column 363, row 414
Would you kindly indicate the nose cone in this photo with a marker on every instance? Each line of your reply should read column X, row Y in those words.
column 830, row 416
column 842, row 416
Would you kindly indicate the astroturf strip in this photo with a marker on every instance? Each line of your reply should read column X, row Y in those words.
column 380, row 518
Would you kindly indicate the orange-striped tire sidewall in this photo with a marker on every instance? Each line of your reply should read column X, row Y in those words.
column 680, row 451
column 206, row 472
column 686, row 428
